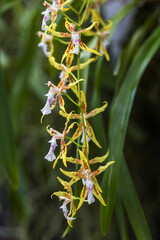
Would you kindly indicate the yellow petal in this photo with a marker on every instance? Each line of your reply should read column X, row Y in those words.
column 82, row 196
column 55, row 162
column 69, row 60
column 55, row 64
column 89, row 28
column 61, row 102
column 68, row 25
column 65, row 3
column 84, row 161
column 108, row 27
column 97, row 18
column 70, row 85
column 68, row 174
column 91, row 134
column 74, row 88
column 71, row 126
column 97, row 110
column 65, row 185
column 83, row 102
column 59, row 194
column 102, row 48
column 101, row 169
column 94, row 180
column 99, row 159
column 77, row 133
column 57, row 34
column 97, row 194
column 68, row 51
column 63, row 152
column 73, row 160
column 87, row 49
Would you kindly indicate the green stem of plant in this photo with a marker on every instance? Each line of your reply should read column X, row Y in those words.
column 71, row 99
column 73, row 76
column 84, row 15
column 74, row 10
column 81, row 9
column 73, row 141
column 61, row 41
column 71, row 20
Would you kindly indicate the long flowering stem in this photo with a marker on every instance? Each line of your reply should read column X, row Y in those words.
column 88, row 187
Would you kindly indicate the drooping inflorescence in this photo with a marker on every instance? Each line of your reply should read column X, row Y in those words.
column 89, row 10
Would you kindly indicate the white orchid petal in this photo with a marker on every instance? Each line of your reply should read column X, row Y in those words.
column 50, row 155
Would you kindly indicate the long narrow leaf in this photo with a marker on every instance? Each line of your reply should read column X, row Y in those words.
column 7, row 145
column 132, row 205
column 119, row 120
column 121, row 218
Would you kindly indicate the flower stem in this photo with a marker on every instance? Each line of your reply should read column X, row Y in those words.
column 71, row 20
column 74, row 10
column 74, row 142
column 71, row 99
column 84, row 15
column 61, row 41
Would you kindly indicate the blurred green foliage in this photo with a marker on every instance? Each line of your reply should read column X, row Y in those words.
column 27, row 180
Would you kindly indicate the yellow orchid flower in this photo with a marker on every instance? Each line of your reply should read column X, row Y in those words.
column 91, row 161
column 89, row 129
column 54, row 94
column 102, row 33
column 91, row 186
column 52, row 10
column 75, row 42
column 68, row 198
column 63, row 148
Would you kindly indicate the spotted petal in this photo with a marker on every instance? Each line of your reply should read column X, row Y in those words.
column 74, row 175
column 97, row 194
column 101, row 169
column 83, row 102
column 99, row 159
column 84, row 161
column 64, row 152
column 89, row 28
column 91, row 134
column 68, row 51
column 87, row 49
column 82, row 196
column 96, row 111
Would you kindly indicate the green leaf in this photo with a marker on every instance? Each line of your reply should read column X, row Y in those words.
column 121, row 218
column 119, row 117
column 132, row 204
column 8, row 158
column 6, row 5
column 133, row 47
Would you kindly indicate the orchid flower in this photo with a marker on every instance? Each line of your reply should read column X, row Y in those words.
column 54, row 94
column 68, row 198
column 91, row 186
column 89, row 129
column 50, row 98
column 59, row 136
column 102, row 33
column 43, row 44
column 75, row 42
column 53, row 9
